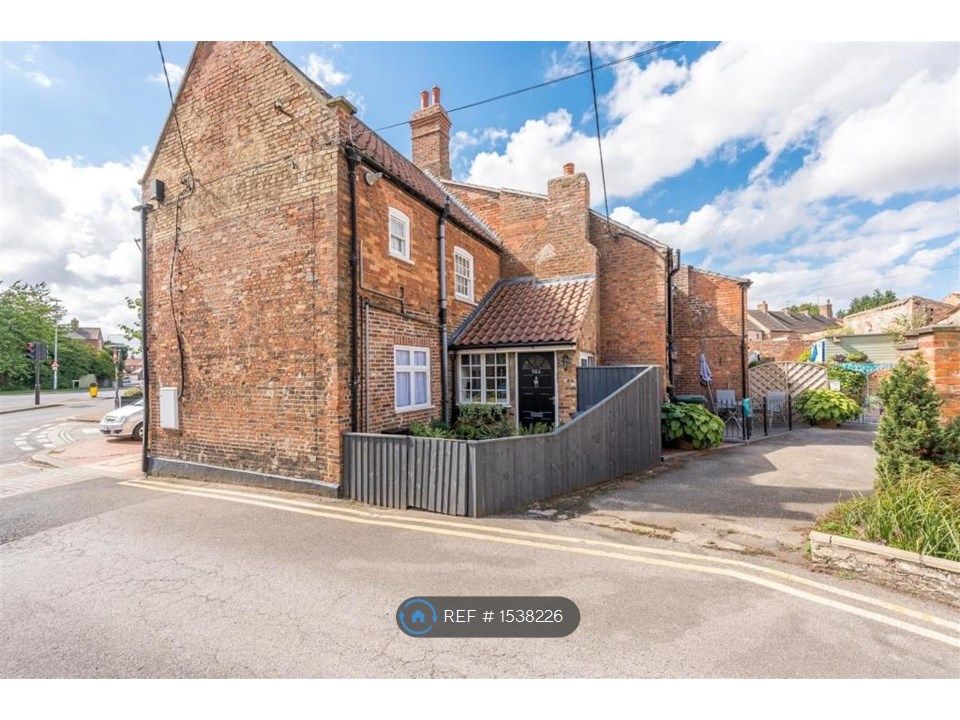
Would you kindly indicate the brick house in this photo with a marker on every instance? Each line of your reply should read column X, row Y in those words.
column 304, row 278
column 784, row 334
column 92, row 336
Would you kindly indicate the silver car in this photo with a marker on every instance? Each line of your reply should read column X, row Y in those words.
column 126, row 421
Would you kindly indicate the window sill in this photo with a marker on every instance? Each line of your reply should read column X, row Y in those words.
column 411, row 408
column 402, row 258
column 465, row 300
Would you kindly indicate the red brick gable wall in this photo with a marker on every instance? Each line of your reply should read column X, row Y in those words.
column 255, row 287
column 707, row 319
column 633, row 299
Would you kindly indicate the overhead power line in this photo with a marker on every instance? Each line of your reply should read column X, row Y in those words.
column 596, row 117
column 173, row 109
column 545, row 83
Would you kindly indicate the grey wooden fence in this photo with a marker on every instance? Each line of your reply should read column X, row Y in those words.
column 618, row 435
column 597, row 382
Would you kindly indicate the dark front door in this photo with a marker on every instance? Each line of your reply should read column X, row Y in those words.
column 536, row 388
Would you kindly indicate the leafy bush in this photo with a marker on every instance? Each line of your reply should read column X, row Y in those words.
column 919, row 512
column 909, row 435
column 823, row 405
column 694, row 423
column 132, row 392
column 857, row 356
column 804, row 356
column 839, row 357
column 851, row 382
column 477, row 421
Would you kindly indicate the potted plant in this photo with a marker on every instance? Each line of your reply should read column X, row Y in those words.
column 690, row 426
column 826, row 408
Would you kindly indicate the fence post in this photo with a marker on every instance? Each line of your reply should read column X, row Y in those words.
column 765, row 430
column 789, row 412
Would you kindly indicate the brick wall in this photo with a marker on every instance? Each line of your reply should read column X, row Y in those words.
column 430, row 131
column 915, row 311
column 565, row 247
column 255, row 300
column 415, row 320
column 707, row 319
column 940, row 346
column 780, row 346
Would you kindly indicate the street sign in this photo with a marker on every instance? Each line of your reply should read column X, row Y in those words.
column 54, row 365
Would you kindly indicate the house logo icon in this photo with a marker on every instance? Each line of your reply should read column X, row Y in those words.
column 417, row 617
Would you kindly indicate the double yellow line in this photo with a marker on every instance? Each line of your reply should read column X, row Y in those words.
column 784, row 582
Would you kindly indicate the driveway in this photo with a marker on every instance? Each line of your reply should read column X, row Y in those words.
column 760, row 498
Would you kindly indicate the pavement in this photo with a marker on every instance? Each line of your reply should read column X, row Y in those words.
column 758, row 498
column 115, row 575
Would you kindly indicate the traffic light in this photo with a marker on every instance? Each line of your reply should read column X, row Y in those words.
column 36, row 351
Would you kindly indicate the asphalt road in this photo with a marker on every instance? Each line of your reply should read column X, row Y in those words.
column 101, row 579
column 20, row 432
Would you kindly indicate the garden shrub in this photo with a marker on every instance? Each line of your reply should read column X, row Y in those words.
column 857, row 356
column 839, row 357
column 919, row 512
column 909, row 436
column 851, row 382
column 691, row 422
column 477, row 421
column 433, row 429
column 823, row 405
column 804, row 356
column 132, row 392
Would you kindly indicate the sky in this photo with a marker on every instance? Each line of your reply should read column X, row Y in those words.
column 817, row 170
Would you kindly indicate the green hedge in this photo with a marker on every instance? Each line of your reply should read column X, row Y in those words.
column 690, row 422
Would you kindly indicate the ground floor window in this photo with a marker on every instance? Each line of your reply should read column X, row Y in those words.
column 411, row 366
column 483, row 378
column 587, row 360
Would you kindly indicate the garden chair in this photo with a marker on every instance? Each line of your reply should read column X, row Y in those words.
column 730, row 411
column 777, row 408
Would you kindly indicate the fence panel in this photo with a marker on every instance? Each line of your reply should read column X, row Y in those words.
column 597, row 382
column 617, row 435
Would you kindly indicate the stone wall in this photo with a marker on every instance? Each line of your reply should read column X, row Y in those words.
column 907, row 571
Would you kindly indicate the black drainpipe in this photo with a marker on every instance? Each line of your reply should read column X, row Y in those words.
column 671, row 271
column 352, row 161
column 444, row 355
column 144, row 209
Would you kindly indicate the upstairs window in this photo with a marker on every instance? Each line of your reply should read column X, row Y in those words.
column 463, row 275
column 399, row 235
column 411, row 367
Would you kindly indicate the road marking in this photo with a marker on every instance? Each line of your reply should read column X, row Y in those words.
column 370, row 519
column 894, row 607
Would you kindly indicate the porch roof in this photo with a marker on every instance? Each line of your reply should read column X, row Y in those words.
column 528, row 311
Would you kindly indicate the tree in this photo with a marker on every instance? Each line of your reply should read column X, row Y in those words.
column 807, row 307
column 868, row 302
column 133, row 332
column 909, row 435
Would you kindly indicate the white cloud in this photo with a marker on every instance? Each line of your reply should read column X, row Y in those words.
column 322, row 71
column 173, row 70
column 71, row 224
column 666, row 116
column 37, row 77
column 574, row 58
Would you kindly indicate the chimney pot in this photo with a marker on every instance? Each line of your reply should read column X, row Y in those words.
column 826, row 310
column 568, row 169
column 424, row 99
column 762, row 307
column 436, row 94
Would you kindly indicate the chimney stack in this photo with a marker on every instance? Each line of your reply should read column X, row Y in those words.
column 826, row 309
column 566, row 247
column 763, row 307
column 430, row 128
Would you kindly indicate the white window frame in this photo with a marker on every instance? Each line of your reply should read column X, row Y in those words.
column 468, row 258
column 411, row 369
column 400, row 216
column 462, row 397
column 587, row 356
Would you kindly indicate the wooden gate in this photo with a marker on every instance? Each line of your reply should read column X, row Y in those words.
column 789, row 377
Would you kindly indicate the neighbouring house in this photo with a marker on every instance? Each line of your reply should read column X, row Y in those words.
column 897, row 316
column 783, row 334
column 92, row 336
column 305, row 279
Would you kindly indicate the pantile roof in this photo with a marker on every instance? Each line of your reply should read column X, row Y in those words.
column 528, row 311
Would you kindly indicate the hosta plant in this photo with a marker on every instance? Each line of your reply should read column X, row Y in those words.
column 826, row 407
column 691, row 423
